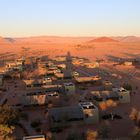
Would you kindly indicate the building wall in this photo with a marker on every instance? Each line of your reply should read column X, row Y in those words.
column 91, row 116
column 124, row 97
column 34, row 100
column 69, row 89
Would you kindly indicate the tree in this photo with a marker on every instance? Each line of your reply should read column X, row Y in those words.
column 135, row 116
column 8, row 119
column 6, row 132
column 91, row 135
column 8, row 116
column 107, row 104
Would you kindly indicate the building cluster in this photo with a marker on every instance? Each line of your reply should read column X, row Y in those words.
column 60, row 79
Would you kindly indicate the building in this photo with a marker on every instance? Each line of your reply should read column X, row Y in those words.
column 128, row 63
column 20, row 61
column 39, row 98
column 83, row 113
column 96, row 80
column 69, row 88
column 63, row 116
column 37, row 82
column 47, row 81
column 59, row 76
column 107, row 85
column 60, row 58
column 16, row 65
column 120, row 95
column 124, row 95
column 91, row 65
column 75, row 74
column 91, row 113
column 103, row 95
column 41, row 95
column 34, row 98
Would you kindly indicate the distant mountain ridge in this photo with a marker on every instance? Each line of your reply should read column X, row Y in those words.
column 57, row 39
column 102, row 39
column 130, row 39
column 4, row 41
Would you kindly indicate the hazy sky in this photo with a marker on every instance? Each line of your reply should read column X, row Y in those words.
column 69, row 17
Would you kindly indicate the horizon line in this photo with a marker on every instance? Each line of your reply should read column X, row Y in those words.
column 69, row 36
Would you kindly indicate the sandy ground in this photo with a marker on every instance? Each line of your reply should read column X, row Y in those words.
column 84, row 47
column 110, row 52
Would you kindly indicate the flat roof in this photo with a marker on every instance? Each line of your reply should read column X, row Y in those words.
column 69, row 112
column 38, row 137
column 69, row 84
column 104, row 94
column 86, row 79
column 59, row 75
column 87, row 105
column 107, row 82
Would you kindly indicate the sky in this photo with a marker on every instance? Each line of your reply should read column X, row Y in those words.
column 20, row 18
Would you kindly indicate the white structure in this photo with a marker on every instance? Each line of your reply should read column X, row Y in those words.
column 92, row 79
column 75, row 74
column 69, row 88
column 90, row 111
column 37, row 137
column 107, row 85
column 92, row 65
column 15, row 65
column 47, row 81
column 124, row 95
column 127, row 63
column 120, row 95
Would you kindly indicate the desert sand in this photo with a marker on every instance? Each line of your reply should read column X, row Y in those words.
column 90, row 47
